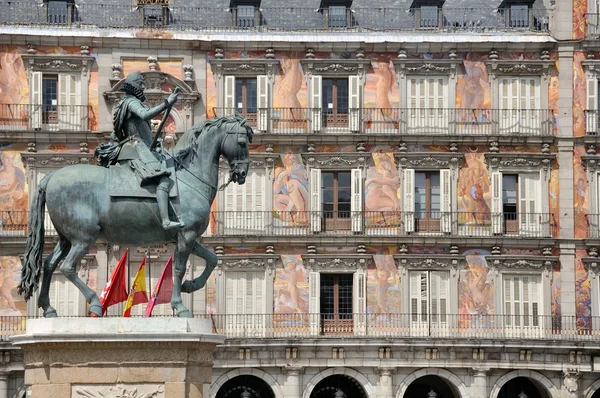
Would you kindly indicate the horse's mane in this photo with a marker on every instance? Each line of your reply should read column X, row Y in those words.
column 189, row 140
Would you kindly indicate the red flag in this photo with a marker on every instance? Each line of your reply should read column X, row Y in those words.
column 115, row 290
column 137, row 294
column 163, row 289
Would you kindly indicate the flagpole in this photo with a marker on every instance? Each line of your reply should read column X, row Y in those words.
column 149, row 268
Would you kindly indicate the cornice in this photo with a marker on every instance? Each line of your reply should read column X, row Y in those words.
column 245, row 67
column 246, row 262
column 256, row 159
column 429, row 160
column 318, row 262
column 592, row 67
column 542, row 263
column 335, row 67
column 405, row 67
column 51, row 159
column 325, row 160
column 426, row 261
column 499, row 161
column 520, row 67
column 57, row 63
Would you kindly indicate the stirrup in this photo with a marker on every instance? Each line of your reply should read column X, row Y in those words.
column 172, row 225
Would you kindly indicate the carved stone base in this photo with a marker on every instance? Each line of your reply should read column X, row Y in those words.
column 118, row 357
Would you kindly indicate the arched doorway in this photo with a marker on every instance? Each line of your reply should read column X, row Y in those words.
column 523, row 387
column 338, row 386
column 245, row 386
column 596, row 394
column 430, row 386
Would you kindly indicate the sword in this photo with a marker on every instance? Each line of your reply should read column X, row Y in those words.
column 162, row 123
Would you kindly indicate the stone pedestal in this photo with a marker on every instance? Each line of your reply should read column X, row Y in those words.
column 118, row 357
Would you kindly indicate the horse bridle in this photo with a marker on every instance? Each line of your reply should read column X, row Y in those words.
column 237, row 162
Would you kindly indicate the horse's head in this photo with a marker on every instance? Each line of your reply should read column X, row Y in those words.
column 234, row 148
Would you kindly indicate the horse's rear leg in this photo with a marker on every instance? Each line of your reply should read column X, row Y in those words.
column 60, row 251
column 69, row 269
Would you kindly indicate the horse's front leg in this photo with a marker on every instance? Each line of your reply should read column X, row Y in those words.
column 211, row 262
column 182, row 252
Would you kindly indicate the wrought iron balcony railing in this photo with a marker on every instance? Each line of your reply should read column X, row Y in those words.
column 26, row 117
column 394, row 121
column 411, row 326
column 104, row 16
column 366, row 223
column 383, row 223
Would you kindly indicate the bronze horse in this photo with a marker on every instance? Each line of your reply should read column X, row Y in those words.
column 82, row 211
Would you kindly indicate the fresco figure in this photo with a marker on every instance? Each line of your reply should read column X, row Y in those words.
column 386, row 276
column 10, row 269
column 12, row 183
column 289, row 299
column 382, row 184
column 286, row 96
column 474, row 191
column 290, row 188
column 476, row 290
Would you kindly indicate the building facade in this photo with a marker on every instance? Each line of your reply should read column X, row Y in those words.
column 421, row 215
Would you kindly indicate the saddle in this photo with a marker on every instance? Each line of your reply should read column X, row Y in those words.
column 123, row 182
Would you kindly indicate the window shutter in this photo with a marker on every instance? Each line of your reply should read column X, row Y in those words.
column 315, row 200
column 508, row 300
column 529, row 104
column 445, row 200
column 497, row 208
column 408, row 199
column 262, row 91
column 356, row 201
column 419, row 298
column 354, row 103
column 48, row 226
column 360, row 302
column 36, row 100
column 592, row 107
column 229, row 96
column 313, row 302
column 69, row 94
column 535, row 300
column 316, row 84
column 415, row 283
column 244, row 206
column 529, row 203
column 444, row 285
column 416, row 103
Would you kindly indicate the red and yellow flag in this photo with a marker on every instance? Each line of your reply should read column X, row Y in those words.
column 137, row 294
column 115, row 290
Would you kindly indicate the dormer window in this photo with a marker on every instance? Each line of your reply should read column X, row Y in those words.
column 246, row 13
column 154, row 12
column 517, row 13
column 336, row 13
column 60, row 11
column 337, row 17
column 428, row 13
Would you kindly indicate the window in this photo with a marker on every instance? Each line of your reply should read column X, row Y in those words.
column 516, row 203
column 520, row 104
column 49, row 99
column 522, row 301
column 55, row 100
column 243, row 208
column 249, row 97
column 591, row 122
column 155, row 14
column 428, row 103
column 336, row 200
column 245, row 16
column 429, row 17
column 60, row 12
column 519, row 16
column 337, row 17
column 336, row 303
column 429, row 298
column 245, row 301
column 426, row 201
column 245, row 98
column 335, row 102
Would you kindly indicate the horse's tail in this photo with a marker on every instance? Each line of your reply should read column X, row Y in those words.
column 32, row 261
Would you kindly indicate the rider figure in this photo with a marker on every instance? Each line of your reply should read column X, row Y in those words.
column 131, row 121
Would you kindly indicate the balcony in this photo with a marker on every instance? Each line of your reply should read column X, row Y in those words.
column 403, row 326
column 593, row 26
column 46, row 118
column 106, row 16
column 384, row 224
column 593, row 228
column 402, row 122
column 13, row 224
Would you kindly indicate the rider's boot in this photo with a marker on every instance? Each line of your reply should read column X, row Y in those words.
column 162, row 198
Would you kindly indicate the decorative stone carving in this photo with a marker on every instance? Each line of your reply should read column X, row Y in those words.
column 338, row 263
column 429, row 160
column 270, row 53
column 262, row 262
column 422, row 261
column 324, row 160
column 117, row 70
column 405, row 66
column 542, row 263
column 539, row 67
column 188, row 73
column 119, row 391
column 520, row 162
column 34, row 159
column 58, row 63
column 592, row 265
column 244, row 67
column 84, row 50
column 571, row 380
column 338, row 67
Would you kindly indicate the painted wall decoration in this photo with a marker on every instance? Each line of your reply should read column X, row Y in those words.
column 555, row 305
column 475, row 290
column 13, row 191
column 581, row 205
column 579, row 95
column 11, row 304
column 383, row 290
column 580, row 8
column 290, row 191
column 583, row 300
column 211, row 294
column 290, row 292
column 473, row 89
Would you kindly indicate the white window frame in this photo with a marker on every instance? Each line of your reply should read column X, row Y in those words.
column 592, row 77
column 428, row 104
column 436, row 319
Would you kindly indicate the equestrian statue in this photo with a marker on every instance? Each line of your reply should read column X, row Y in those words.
column 144, row 196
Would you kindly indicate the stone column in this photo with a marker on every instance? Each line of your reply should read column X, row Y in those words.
column 292, row 387
column 570, row 388
column 4, row 384
column 385, row 383
column 479, row 388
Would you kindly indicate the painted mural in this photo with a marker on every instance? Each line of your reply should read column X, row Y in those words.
column 290, row 191
column 290, row 292
column 211, row 294
column 13, row 191
column 583, row 300
column 11, row 304
column 383, row 290
column 475, row 291
column 580, row 8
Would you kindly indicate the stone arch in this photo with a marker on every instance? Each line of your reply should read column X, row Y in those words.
column 450, row 377
column 589, row 392
column 530, row 374
column 364, row 382
column 261, row 374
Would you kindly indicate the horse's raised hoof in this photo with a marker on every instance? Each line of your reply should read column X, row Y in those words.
column 96, row 310
column 50, row 313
